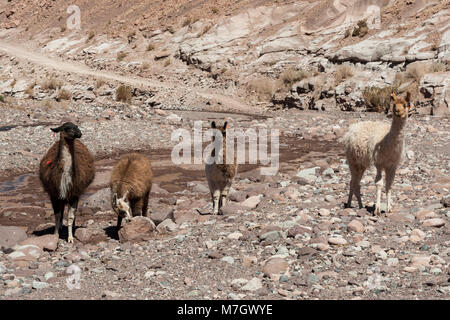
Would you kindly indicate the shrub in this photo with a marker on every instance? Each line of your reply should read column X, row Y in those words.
column 63, row 28
column 343, row 72
column 123, row 93
column 64, row 94
column 187, row 22
column 91, row 35
column 2, row 99
column 205, row 29
column 150, row 47
column 99, row 83
column 290, row 76
column 215, row 10
column 145, row 66
column 361, row 30
column 416, row 70
column 121, row 55
column 438, row 67
column 378, row 99
column 347, row 33
column 167, row 62
column 51, row 84
column 264, row 88
column 30, row 90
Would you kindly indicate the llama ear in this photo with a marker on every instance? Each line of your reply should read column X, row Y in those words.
column 125, row 195
column 213, row 124
column 393, row 95
column 225, row 125
column 56, row 129
column 408, row 99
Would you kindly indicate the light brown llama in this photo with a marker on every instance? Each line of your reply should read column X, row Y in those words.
column 220, row 175
column 65, row 172
column 131, row 183
column 380, row 144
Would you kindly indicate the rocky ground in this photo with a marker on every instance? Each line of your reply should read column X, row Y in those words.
column 286, row 236
column 257, row 65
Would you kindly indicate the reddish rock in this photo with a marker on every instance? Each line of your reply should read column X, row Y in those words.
column 10, row 236
column 275, row 267
column 26, row 253
column 436, row 222
column 48, row 242
column 83, row 234
column 292, row 232
column 232, row 208
column 425, row 214
column 161, row 214
column 139, row 228
column 252, row 202
column 356, row 226
column 181, row 216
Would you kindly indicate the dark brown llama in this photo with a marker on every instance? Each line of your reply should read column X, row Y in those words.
column 65, row 172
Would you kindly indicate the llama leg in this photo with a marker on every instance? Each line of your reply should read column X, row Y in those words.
column 224, row 196
column 390, row 174
column 73, row 205
column 119, row 222
column 357, row 186
column 355, row 182
column 379, row 184
column 58, row 209
column 216, row 198
column 137, row 207
column 145, row 204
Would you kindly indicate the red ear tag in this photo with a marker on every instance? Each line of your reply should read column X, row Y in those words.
column 48, row 162
column 54, row 135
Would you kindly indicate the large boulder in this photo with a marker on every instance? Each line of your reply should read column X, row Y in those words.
column 139, row 228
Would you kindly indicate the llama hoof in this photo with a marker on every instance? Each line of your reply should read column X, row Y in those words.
column 70, row 240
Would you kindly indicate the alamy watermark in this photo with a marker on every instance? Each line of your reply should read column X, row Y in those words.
column 74, row 20
column 213, row 153
column 74, row 279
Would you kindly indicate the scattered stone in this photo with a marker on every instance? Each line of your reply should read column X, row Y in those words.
column 228, row 259
column 48, row 242
column 38, row 285
column 338, row 241
column 252, row 202
column 253, row 285
column 83, row 234
column 436, row 222
column 275, row 267
column 356, row 226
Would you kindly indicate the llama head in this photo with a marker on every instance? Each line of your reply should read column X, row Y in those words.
column 222, row 129
column 121, row 206
column 68, row 131
column 401, row 106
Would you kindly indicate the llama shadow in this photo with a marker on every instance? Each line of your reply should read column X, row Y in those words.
column 112, row 232
column 369, row 209
column 63, row 233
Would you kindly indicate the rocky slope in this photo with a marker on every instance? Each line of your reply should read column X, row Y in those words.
column 138, row 70
column 245, row 48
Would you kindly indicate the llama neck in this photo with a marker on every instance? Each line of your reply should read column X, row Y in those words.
column 396, row 131
column 66, row 161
